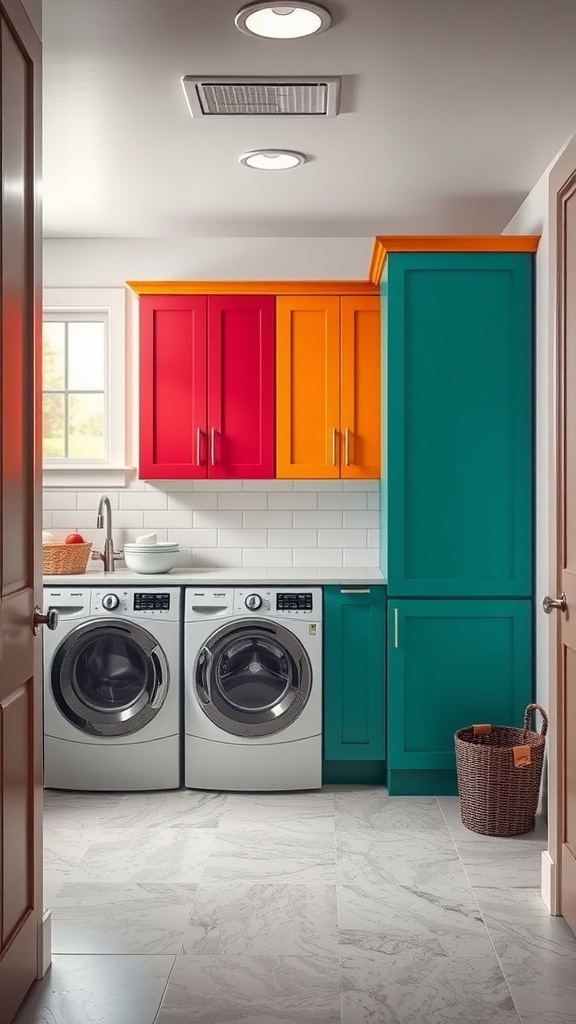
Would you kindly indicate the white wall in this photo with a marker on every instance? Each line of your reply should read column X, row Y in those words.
column 532, row 219
column 110, row 262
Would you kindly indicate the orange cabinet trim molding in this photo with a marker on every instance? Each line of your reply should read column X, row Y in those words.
column 383, row 244
column 254, row 287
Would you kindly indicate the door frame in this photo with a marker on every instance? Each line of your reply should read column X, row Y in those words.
column 561, row 180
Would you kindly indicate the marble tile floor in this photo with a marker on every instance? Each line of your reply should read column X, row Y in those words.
column 343, row 906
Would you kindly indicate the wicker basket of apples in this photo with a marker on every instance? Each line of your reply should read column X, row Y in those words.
column 64, row 558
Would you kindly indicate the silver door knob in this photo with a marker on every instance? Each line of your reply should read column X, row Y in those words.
column 554, row 602
column 50, row 619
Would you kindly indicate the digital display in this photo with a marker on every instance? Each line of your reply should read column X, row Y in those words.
column 291, row 602
column 147, row 602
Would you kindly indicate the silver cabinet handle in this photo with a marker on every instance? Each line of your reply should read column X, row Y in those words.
column 199, row 446
column 396, row 643
column 554, row 602
column 347, row 446
column 334, row 440
column 356, row 590
column 50, row 619
column 213, row 446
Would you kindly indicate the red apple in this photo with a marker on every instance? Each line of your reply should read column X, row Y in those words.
column 74, row 538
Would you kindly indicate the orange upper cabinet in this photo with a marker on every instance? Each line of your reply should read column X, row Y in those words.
column 328, row 386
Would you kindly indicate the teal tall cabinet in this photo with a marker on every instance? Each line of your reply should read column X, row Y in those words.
column 354, row 683
column 458, row 491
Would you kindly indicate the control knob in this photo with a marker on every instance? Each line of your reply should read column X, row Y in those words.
column 110, row 602
column 253, row 602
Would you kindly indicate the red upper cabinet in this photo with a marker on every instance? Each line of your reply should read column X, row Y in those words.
column 207, row 372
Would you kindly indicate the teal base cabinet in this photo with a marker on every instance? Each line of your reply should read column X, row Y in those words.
column 451, row 664
column 354, row 682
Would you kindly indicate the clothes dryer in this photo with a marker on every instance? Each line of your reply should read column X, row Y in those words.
column 112, row 687
column 253, row 688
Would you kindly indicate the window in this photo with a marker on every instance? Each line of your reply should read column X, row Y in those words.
column 83, row 386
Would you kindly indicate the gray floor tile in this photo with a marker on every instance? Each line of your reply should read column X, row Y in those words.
column 71, row 810
column 120, row 917
column 314, row 810
column 64, row 848
column 450, row 807
column 366, row 808
column 416, row 988
column 146, row 855
column 98, row 990
column 232, row 918
column 273, row 855
column 502, row 863
column 253, row 990
column 181, row 808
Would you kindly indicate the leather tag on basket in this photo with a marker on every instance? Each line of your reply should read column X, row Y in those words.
column 482, row 730
column 522, row 756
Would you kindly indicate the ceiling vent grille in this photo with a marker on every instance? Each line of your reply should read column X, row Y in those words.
column 261, row 97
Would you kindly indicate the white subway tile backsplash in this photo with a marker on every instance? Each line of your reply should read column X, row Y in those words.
column 293, row 500
column 269, row 518
column 242, row 538
column 60, row 500
column 315, row 558
column 361, row 558
column 254, row 557
column 315, row 519
column 168, row 518
column 143, row 500
column 366, row 519
column 343, row 500
column 342, row 538
column 231, row 523
column 244, row 499
column 217, row 519
column 47, row 519
column 292, row 538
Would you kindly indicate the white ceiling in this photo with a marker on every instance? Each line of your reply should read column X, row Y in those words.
column 451, row 110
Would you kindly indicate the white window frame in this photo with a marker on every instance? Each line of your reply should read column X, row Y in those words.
column 111, row 471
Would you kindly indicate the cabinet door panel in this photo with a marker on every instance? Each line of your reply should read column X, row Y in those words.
column 360, row 386
column 308, row 374
column 172, row 386
column 459, row 424
column 354, row 673
column 241, row 406
column 452, row 664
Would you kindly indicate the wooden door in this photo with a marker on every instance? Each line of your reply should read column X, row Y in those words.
column 450, row 664
column 360, row 387
column 241, row 387
column 308, row 386
column 20, row 481
column 459, row 341
column 173, row 437
column 563, row 675
column 354, row 673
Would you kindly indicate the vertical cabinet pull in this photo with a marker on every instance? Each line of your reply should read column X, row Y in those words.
column 396, row 644
column 199, row 446
column 213, row 446
column 347, row 446
column 334, row 441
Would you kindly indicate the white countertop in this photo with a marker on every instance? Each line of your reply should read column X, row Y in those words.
column 233, row 577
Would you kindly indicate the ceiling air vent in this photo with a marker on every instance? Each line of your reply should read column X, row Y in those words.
column 212, row 96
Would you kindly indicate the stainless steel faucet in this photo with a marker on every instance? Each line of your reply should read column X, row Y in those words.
column 108, row 555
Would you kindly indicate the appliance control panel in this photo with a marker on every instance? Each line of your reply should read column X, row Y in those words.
column 294, row 601
column 279, row 602
column 151, row 601
column 134, row 602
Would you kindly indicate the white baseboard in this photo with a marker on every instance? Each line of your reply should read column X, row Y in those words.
column 45, row 944
column 548, row 883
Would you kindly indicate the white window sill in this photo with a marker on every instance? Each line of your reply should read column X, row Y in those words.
column 86, row 476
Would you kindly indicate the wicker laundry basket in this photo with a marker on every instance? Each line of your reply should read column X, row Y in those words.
column 65, row 559
column 499, row 771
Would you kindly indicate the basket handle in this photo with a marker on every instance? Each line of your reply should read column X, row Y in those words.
column 528, row 712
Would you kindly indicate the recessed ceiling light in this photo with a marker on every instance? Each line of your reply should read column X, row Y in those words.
column 283, row 20
column 272, row 159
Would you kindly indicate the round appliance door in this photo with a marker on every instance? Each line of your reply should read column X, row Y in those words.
column 109, row 678
column 253, row 678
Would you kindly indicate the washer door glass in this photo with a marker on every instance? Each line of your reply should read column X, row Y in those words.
column 253, row 678
column 109, row 679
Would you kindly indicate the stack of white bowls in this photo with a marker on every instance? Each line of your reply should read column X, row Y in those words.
column 149, row 555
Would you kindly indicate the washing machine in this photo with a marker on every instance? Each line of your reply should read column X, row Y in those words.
column 112, row 688
column 253, row 688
